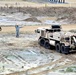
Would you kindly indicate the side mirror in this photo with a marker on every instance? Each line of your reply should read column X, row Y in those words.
column 37, row 31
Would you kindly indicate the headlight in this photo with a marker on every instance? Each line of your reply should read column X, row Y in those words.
column 37, row 31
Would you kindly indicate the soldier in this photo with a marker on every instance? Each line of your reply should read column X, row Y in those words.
column 17, row 30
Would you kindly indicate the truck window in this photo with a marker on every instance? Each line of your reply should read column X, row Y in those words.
column 56, row 26
column 67, row 39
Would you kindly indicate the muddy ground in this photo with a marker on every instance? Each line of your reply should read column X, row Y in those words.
column 17, row 55
column 23, row 55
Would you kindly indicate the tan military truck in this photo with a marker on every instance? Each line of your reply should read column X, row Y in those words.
column 63, row 41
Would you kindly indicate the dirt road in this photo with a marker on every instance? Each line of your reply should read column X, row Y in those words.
column 33, row 28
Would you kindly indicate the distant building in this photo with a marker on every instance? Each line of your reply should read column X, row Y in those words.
column 58, row 1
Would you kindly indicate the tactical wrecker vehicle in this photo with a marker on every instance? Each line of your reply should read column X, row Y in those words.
column 54, row 36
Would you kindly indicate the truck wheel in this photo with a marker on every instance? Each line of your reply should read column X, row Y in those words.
column 47, row 45
column 42, row 42
column 64, row 49
column 39, row 40
column 58, row 48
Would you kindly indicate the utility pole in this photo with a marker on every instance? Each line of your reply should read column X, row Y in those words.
column 63, row 1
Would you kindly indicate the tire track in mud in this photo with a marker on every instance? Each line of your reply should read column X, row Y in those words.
column 55, row 68
column 58, row 67
column 45, row 68
column 69, row 56
column 34, row 69
column 42, row 67
column 50, row 70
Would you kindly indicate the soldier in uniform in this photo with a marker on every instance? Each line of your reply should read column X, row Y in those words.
column 17, row 30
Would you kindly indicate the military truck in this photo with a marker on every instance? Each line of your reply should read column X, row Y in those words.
column 63, row 41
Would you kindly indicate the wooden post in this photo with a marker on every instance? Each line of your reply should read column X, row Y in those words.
column 59, row 1
column 56, row 1
column 63, row 1
column 52, row 0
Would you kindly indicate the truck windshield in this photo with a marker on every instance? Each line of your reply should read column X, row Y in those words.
column 67, row 38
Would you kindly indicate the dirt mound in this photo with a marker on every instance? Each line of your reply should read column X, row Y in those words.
column 72, row 19
column 68, row 19
column 33, row 19
column 62, row 13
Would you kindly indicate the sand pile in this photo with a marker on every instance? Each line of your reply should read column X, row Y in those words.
column 68, row 19
column 32, row 19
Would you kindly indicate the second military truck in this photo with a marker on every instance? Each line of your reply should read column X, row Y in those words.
column 55, row 36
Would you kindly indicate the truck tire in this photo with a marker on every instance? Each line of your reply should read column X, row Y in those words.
column 64, row 49
column 39, row 40
column 42, row 42
column 58, row 48
column 47, row 45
